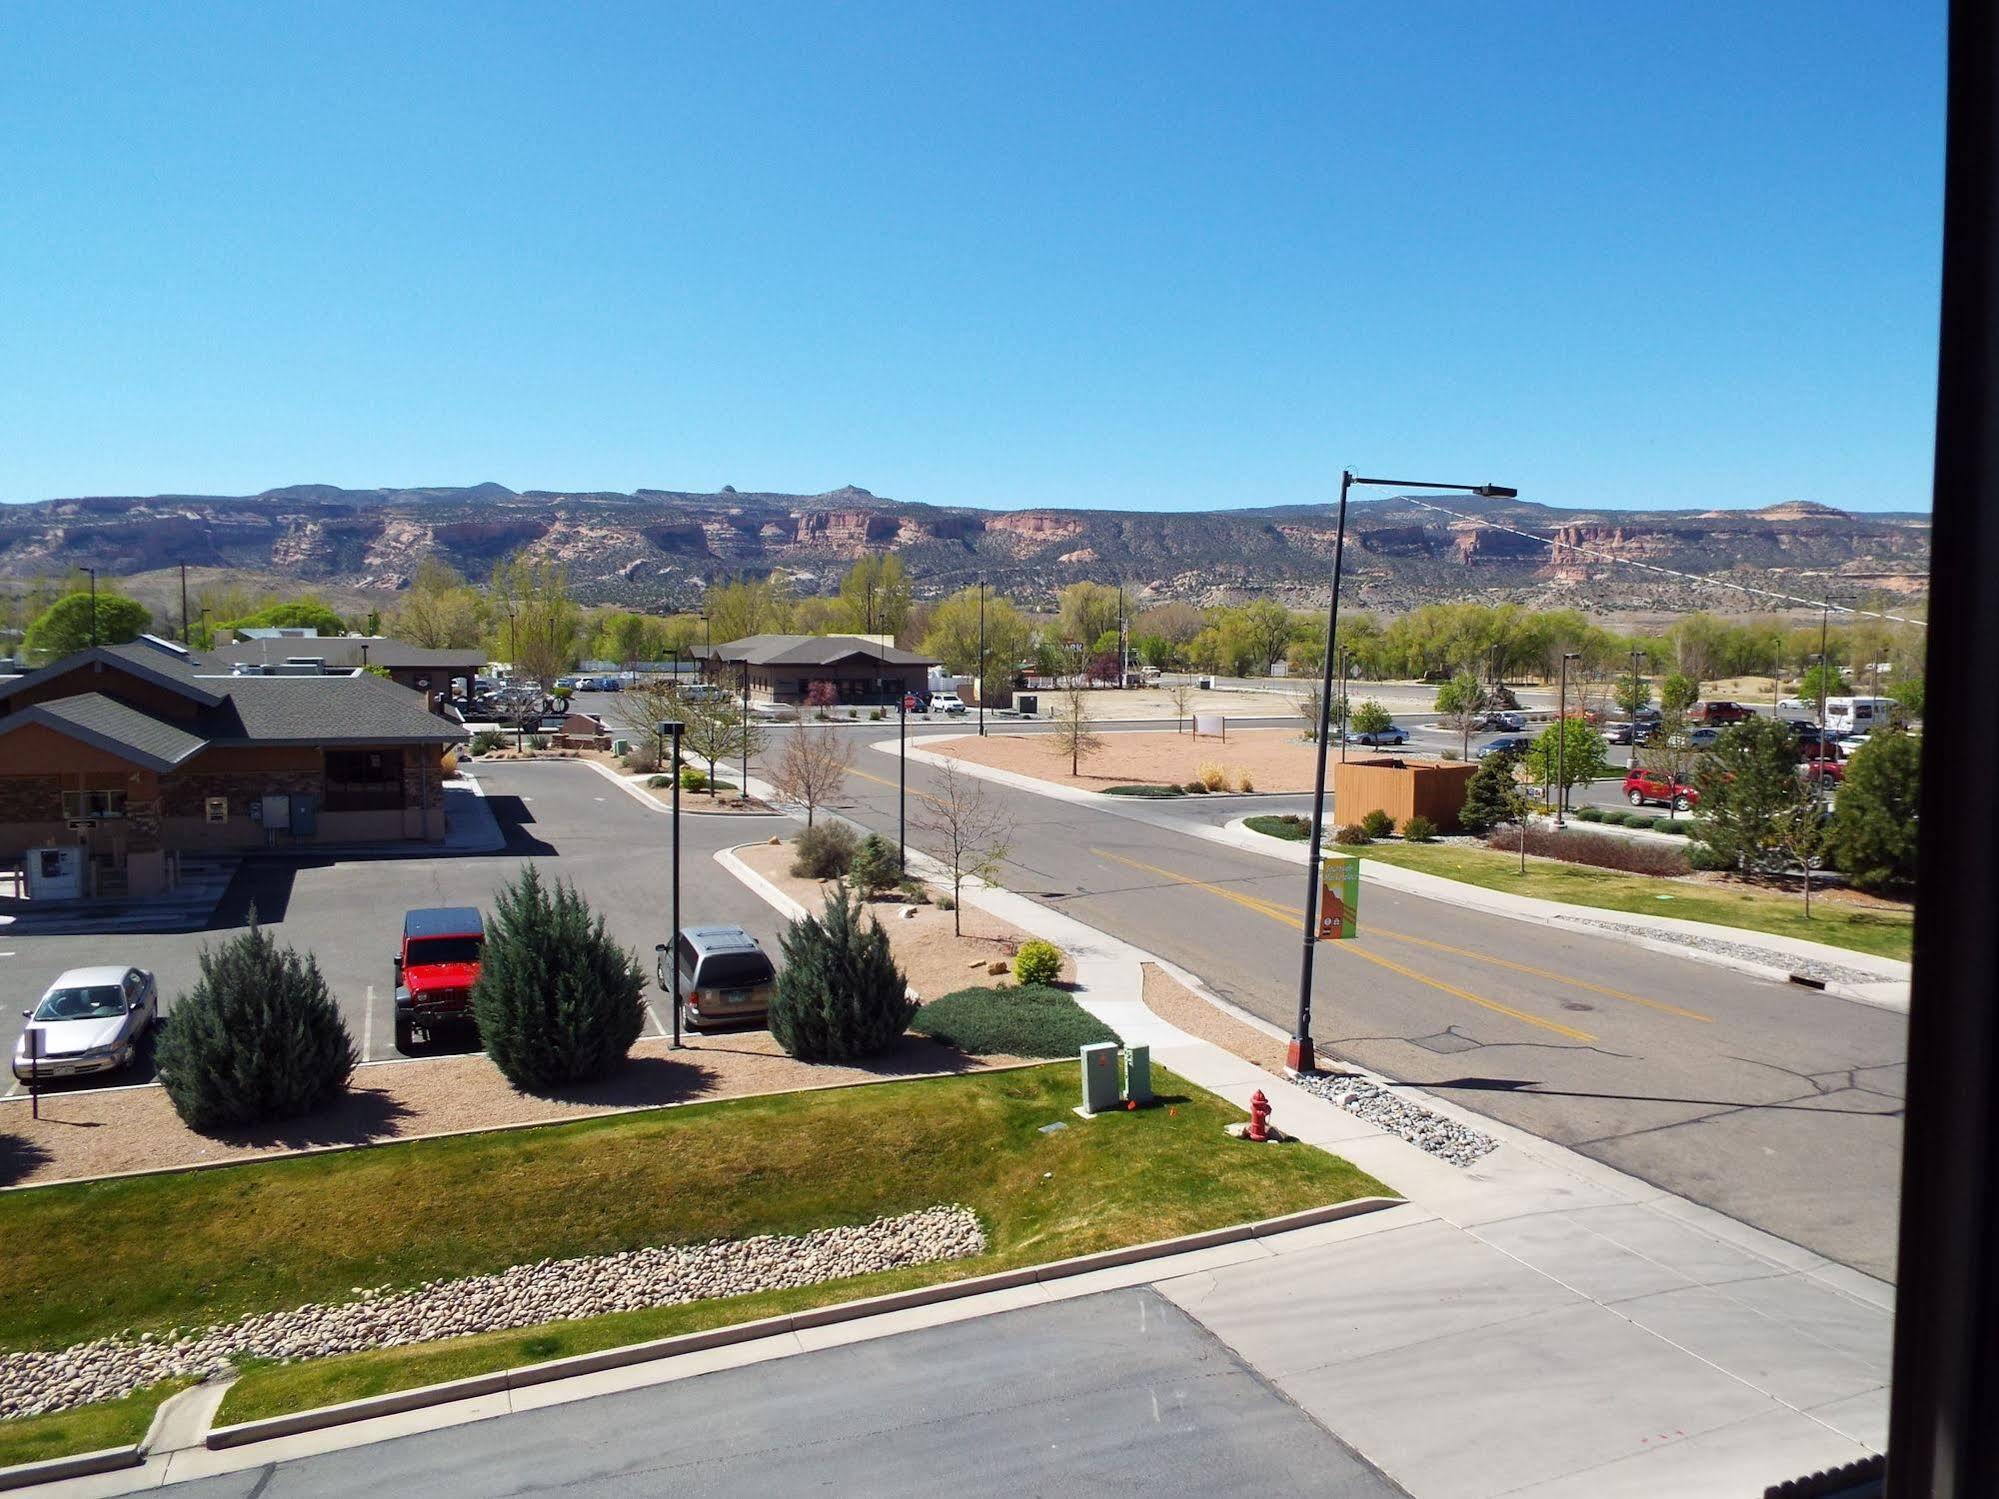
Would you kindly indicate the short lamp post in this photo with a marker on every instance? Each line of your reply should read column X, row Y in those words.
column 1562, row 739
column 669, row 951
column 1299, row 1056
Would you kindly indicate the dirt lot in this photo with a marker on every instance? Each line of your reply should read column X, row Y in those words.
column 934, row 960
column 1273, row 759
column 1155, row 702
column 1173, row 1002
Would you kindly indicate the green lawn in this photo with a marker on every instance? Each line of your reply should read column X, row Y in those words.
column 1286, row 825
column 88, row 1428
column 1030, row 1021
column 1883, row 932
column 205, row 1247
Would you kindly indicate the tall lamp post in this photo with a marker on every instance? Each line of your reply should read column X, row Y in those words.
column 1562, row 739
column 743, row 786
column 902, row 785
column 669, row 951
column 1299, row 1056
column 979, row 682
column 93, row 605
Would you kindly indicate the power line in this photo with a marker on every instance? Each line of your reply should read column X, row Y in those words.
column 1653, row 567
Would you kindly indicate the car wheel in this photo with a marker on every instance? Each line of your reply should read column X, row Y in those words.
column 1681, row 804
column 405, row 1035
column 1637, row 798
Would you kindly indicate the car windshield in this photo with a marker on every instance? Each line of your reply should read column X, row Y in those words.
column 434, row 950
column 90, row 1002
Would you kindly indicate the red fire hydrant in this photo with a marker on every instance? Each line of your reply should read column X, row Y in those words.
column 1259, row 1116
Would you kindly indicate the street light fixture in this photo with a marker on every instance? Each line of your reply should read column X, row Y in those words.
column 1299, row 1055
column 669, row 951
column 1562, row 740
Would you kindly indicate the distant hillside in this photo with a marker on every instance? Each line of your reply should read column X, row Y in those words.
column 661, row 548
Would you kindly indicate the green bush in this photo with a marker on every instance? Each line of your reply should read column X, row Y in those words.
column 1353, row 835
column 1025, row 1022
column 839, row 996
column 659, row 783
column 537, row 741
column 874, row 715
column 692, row 778
column 914, row 891
column 557, row 1001
column 875, row 864
column 486, row 741
column 824, row 852
column 1700, row 856
column 1679, row 825
column 1378, row 824
column 1154, row 791
column 257, row 1038
column 1596, row 814
column 1419, row 829
column 1037, row 963
column 1873, row 834
column 1287, row 825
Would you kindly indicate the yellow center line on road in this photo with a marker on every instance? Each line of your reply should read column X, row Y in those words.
column 1291, row 919
column 1547, row 973
column 884, row 781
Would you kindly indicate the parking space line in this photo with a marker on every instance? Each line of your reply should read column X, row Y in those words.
column 368, row 1025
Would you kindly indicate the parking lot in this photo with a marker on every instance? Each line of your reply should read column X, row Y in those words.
column 564, row 817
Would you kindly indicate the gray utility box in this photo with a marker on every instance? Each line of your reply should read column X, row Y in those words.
column 1138, row 1074
column 1100, row 1077
column 1026, row 704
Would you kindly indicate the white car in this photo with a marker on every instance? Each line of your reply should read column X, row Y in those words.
column 949, row 704
column 89, row 1020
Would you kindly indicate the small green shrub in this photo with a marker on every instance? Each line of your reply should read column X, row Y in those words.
column 1378, row 824
column 1196, row 788
column 875, row 865
column 1702, row 857
column 1419, row 829
column 915, row 891
column 1037, row 963
column 1680, row 825
column 824, row 852
column 1353, row 835
column 1024, row 1022
column 839, row 996
column 946, row 902
column 486, row 741
column 1148, row 791
column 557, row 1001
column 1595, row 814
column 537, row 741
column 1286, row 825
column 659, row 783
column 257, row 1038
column 693, row 778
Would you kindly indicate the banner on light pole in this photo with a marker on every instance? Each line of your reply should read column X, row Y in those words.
column 1339, row 896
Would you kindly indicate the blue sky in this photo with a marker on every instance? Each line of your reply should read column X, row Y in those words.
column 1140, row 256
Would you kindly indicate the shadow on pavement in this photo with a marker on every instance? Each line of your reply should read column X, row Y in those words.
column 259, row 886
column 19, row 1158
column 515, row 819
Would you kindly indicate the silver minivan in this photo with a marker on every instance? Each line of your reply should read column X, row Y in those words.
column 726, row 978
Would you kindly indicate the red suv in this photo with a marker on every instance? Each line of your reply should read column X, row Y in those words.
column 1643, row 786
column 435, row 969
column 1718, row 713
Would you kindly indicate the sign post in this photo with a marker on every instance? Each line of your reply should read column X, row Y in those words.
column 1339, row 897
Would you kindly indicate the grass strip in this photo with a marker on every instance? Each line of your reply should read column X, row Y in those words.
column 1030, row 1021
column 88, row 1428
column 1286, row 825
column 200, row 1248
column 1884, row 932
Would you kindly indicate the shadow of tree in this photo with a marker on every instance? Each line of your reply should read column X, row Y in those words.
column 20, row 1157
column 361, row 1115
column 642, row 1081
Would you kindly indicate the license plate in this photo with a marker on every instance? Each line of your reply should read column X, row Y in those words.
column 736, row 996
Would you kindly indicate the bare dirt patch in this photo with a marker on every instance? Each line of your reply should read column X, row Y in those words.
column 1272, row 759
column 934, row 960
column 1176, row 1004
column 1156, row 702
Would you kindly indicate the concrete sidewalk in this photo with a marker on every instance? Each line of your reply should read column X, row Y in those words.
column 1536, row 1325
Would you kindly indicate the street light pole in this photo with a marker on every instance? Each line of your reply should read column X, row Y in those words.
column 672, row 727
column 1562, row 740
column 1299, row 1056
column 902, row 785
column 93, row 606
column 979, row 683
column 184, row 640
column 743, row 786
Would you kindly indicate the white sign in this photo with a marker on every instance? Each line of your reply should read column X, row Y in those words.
column 1214, row 724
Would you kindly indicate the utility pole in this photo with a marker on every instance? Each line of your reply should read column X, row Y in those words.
column 1123, row 651
column 902, row 786
column 93, row 606
column 185, row 638
column 979, row 683
column 670, row 950
column 1562, row 739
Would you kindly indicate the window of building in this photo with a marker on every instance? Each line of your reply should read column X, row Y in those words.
column 364, row 780
column 93, row 804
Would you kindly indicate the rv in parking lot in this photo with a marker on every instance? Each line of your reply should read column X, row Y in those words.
column 1857, row 715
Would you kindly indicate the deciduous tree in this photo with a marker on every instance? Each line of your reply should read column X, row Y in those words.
column 1074, row 733
column 1461, row 704
column 66, row 625
column 966, row 829
column 812, row 766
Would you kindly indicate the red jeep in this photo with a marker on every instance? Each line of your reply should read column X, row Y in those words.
column 1643, row 786
column 1719, row 713
column 435, row 970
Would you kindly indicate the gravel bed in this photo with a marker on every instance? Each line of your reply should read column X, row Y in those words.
column 1443, row 1138
column 1811, row 968
column 521, row 1296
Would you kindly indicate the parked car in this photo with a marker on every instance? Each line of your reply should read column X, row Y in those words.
column 1643, row 786
column 89, row 1020
column 1624, row 731
column 1701, row 738
column 436, row 967
column 947, row 703
column 1500, row 723
column 1719, row 713
column 1814, row 745
column 1823, row 768
column 1393, row 734
column 1505, row 744
column 726, row 978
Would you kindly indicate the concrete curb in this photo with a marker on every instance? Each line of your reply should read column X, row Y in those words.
column 399, row 1401
column 78, row 1465
column 765, row 890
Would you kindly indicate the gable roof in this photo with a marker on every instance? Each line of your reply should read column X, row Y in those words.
column 360, row 709
column 112, row 726
column 156, row 661
column 812, row 650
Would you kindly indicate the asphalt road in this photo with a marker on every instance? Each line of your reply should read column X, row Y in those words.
column 563, row 817
column 1120, row 1393
column 1775, row 1104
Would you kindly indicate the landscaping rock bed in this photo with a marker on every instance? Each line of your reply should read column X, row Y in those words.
column 1811, row 968
column 1443, row 1138
column 32, row 1383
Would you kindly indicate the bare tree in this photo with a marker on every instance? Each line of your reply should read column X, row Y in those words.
column 1074, row 735
column 718, row 730
column 643, row 706
column 812, row 767
column 1180, row 692
column 971, row 829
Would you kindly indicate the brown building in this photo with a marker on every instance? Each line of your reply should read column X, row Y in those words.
column 782, row 668
column 435, row 673
column 134, row 753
